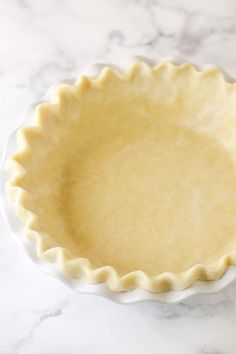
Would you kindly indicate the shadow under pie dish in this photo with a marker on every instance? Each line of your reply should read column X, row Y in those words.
column 130, row 178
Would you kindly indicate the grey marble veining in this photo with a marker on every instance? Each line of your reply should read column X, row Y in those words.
column 49, row 40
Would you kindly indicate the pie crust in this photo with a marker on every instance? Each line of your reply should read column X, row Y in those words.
column 130, row 178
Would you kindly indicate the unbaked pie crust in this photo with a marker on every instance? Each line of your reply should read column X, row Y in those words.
column 130, row 178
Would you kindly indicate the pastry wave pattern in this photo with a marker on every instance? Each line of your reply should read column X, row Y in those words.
column 47, row 249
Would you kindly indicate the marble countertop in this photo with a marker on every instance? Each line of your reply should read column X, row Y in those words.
column 42, row 42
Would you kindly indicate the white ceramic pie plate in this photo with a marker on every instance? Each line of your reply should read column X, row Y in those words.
column 98, row 289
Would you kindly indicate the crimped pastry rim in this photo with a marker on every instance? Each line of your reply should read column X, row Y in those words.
column 132, row 280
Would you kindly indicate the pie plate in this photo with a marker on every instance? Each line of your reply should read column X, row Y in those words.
column 78, row 285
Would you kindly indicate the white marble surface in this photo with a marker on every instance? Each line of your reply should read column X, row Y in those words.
column 48, row 40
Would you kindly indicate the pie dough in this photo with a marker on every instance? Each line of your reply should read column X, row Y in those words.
column 131, row 178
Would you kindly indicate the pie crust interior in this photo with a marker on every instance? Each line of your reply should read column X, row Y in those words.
column 130, row 178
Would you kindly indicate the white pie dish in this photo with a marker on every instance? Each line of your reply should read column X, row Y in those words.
column 101, row 289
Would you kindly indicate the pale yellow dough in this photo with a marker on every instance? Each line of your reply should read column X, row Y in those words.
column 136, row 172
